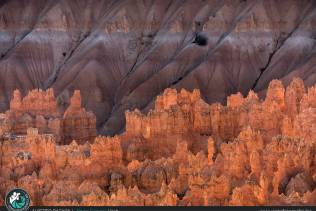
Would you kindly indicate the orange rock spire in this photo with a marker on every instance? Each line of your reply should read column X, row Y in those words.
column 183, row 152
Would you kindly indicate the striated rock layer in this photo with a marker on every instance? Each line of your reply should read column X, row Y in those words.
column 121, row 54
column 183, row 152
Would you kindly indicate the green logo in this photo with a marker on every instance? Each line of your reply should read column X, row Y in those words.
column 17, row 200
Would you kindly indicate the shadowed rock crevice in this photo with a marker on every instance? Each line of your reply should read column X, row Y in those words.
column 200, row 40
column 277, row 47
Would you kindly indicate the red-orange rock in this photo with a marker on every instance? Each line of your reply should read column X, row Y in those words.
column 276, row 93
column 37, row 102
column 244, row 196
column 78, row 124
column 106, row 151
column 39, row 110
column 293, row 96
column 308, row 99
column 210, row 150
column 183, row 152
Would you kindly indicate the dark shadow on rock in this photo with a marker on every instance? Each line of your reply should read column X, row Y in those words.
column 200, row 40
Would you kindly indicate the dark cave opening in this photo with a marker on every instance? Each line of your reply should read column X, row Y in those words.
column 200, row 40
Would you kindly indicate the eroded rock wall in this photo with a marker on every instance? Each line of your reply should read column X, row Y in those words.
column 183, row 152
column 38, row 109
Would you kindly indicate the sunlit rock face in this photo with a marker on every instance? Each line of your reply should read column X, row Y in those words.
column 182, row 152
column 38, row 109
column 122, row 54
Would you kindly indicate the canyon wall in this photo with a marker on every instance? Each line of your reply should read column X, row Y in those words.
column 122, row 54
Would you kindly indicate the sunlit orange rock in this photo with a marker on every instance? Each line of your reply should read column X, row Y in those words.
column 106, row 151
column 210, row 150
column 37, row 102
column 275, row 93
column 78, row 124
column 293, row 96
column 182, row 152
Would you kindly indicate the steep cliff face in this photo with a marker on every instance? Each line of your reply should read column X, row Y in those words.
column 183, row 152
column 122, row 54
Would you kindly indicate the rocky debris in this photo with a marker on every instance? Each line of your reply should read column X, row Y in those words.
column 184, row 152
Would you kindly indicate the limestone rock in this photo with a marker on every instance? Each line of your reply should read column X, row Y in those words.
column 293, row 96
column 183, row 152
column 78, row 124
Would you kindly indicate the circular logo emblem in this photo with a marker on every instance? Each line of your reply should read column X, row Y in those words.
column 17, row 200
